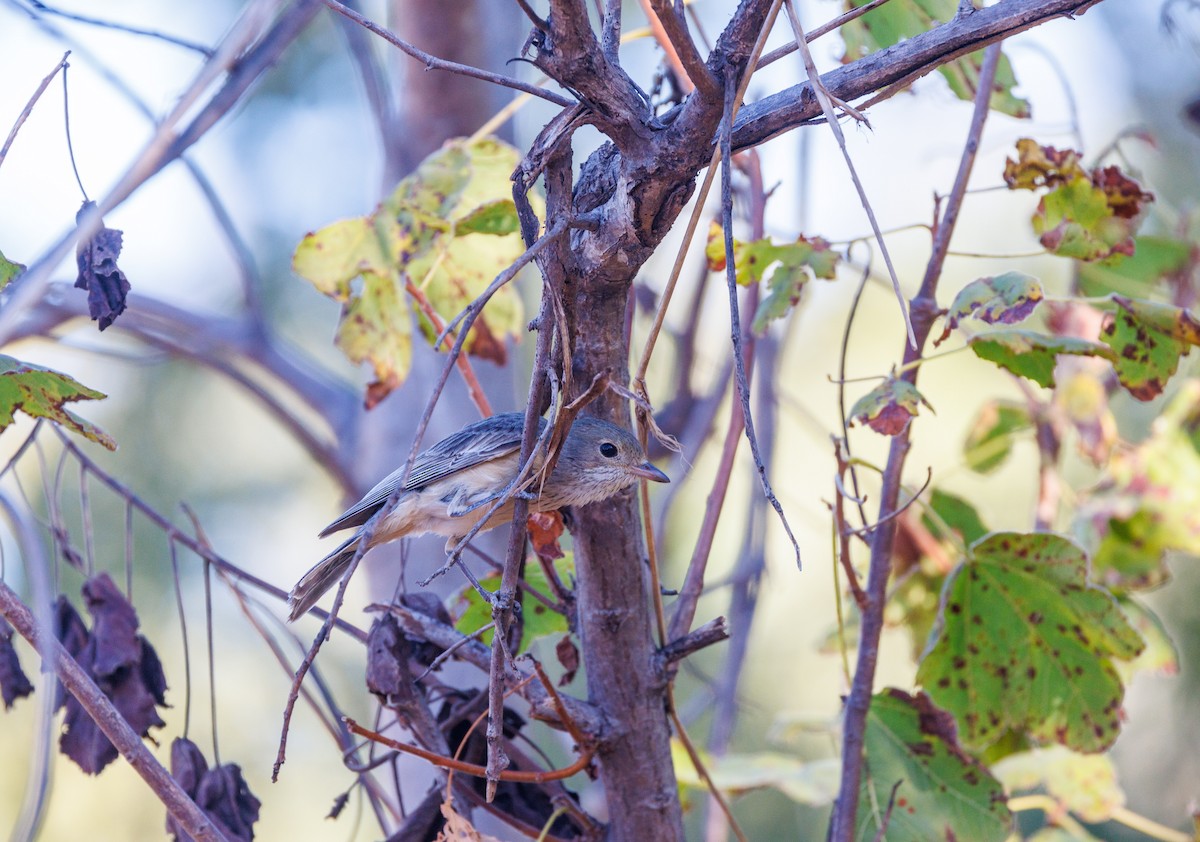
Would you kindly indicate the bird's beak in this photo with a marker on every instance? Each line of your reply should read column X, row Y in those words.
column 648, row 471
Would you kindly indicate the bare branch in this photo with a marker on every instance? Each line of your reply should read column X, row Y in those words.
column 80, row 685
column 432, row 62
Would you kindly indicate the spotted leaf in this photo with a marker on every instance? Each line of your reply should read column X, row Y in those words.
column 940, row 791
column 1026, row 643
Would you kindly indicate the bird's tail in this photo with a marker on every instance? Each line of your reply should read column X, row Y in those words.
column 324, row 575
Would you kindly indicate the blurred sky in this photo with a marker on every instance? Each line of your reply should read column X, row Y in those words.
column 302, row 152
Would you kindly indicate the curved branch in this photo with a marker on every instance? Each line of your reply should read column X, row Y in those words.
column 77, row 682
column 903, row 63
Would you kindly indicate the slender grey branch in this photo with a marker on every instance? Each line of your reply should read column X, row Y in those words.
column 80, row 685
column 676, row 29
column 924, row 309
column 432, row 62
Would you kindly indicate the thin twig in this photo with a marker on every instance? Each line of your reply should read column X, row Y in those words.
column 109, row 720
column 28, row 109
column 858, row 703
column 822, row 30
column 432, row 62
column 195, row 47
column 827, row 108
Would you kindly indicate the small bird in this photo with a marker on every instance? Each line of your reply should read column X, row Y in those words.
column 453, row 484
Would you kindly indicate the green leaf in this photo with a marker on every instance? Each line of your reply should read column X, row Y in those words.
column 956, row 513
column 8, row 270
column 887, row 408
column 1075, row 220
column 1148, row 338
column 990, row 439
column 1030, row 354
column 472, row 613
column 1160, row 655
column 940, row 791
column 1026, row 642
column 903, row 19
column 497, row 217
column 1150, row 502
column 1154, row 259
column 1002, row 299
column 787, row 267
column 812, row 782
column 44, row 393
column 1084, row 784
column 447, row 229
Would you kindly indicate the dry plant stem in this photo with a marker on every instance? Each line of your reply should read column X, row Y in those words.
column 924, row 311
column 132, row 30
column 28, row 109
column 824, row 29
column 505, row 599
column 741, row 359
column 319, row 640
column 242, row 60
column 904, row 63
column 435, row 63
column 831, row 119
column 172, row 533
column 80, row 685
column 474, row 390
column 674, row 30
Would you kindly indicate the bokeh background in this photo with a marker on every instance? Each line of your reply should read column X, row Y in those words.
column 302, row 151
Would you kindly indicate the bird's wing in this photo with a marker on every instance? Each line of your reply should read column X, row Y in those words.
column 473, row 445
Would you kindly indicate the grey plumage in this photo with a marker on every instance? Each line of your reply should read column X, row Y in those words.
column 452, row 485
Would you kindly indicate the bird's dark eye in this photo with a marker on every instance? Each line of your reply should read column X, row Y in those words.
column 608, row 450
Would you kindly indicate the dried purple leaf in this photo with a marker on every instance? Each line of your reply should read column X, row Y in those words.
column 14, row 684
column 99, row 274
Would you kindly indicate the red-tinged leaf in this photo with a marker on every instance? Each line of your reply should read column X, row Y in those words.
column 545, row 530
column 888, row 407
column 106, row 285
column 1041, row 166
column 1002, row 299
column 568, row 657
column 1148, row 338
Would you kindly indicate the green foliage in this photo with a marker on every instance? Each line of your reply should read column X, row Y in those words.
column 1150, row 503
column 1025, row 642
column 471, row 613
column 1083, row 784
column 44, row 393
column 445, row 232
column 1154, row 259
column 814, row 782
column 1032, row 355
column 8, row 270
column 1002, row 299
column 990, row 439
column 902, row 19
column 1087, row 215
column 1147, row 339
column 788, row 267
column 939, row 791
